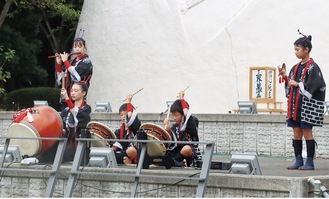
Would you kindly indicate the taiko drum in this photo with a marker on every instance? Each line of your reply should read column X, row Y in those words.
column 46, row 123
column 100, row 132
column 155, row 132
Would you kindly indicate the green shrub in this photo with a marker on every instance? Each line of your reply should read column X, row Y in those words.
column 23, row 98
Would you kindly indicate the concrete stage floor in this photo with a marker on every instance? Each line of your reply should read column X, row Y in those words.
column 277, row 166
column 270, row 166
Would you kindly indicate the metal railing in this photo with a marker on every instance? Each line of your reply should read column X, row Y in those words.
column 142, row 146
column 82, row 144
column 318, row 190
column 53, row 173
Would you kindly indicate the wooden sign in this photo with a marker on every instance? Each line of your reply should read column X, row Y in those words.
column 262, row 84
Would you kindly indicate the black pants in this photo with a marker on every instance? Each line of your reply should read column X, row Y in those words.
column 69, row 153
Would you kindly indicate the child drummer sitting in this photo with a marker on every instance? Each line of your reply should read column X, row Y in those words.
column 184, row 129
column 126, row 152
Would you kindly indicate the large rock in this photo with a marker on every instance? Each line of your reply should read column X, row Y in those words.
column 164, row 46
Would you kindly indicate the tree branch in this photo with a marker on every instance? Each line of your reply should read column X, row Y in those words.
column 5, row 11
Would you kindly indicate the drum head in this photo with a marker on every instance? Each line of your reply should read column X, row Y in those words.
column 156, row 129
column 100, row 131
column 100, row 143
column 155, row 149
column 28, row 147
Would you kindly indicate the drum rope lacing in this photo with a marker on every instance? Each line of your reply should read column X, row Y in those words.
column 100, row 131
column 154, row 132
column 19, row 116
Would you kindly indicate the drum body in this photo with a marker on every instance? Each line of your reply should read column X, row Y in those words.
column 155, row 132
column 100, row 131
column 46, row 123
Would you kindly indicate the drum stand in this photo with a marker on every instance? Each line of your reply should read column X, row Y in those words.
column 165, row 160
column 85, row 134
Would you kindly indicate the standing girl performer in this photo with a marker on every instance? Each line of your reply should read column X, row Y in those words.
column 75, row 116
column 126, row 152
column 78, row 69
column 185, row 128
column 305, row 90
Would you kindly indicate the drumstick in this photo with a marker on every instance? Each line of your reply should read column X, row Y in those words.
column 138, row 91
column 168, row 115
column 63, row 80
column 184, row 90
column 134, row 93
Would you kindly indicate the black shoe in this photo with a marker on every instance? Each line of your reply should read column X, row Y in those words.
column 179, row 163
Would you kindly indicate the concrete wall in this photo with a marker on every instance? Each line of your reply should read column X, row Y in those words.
column 262, row 134
column 232, row 133
column 32, row 185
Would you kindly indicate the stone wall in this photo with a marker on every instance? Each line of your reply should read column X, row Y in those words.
column 32, row 185
column 232, row 133
column 261, row 134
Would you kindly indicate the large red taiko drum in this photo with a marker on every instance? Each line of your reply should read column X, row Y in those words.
column 35, row 122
